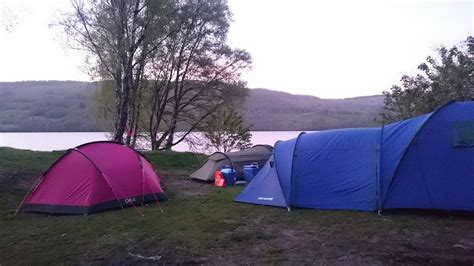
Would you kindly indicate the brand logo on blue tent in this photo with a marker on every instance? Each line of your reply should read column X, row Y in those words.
column 263, row 198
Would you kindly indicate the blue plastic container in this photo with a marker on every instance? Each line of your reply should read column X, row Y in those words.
column 250, row 171
column 229, row 175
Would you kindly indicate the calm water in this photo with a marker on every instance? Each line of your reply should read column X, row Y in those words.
column 48, row 141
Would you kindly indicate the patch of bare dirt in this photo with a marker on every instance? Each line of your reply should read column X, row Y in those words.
column 403, row 237
column 262, row 241
column 186, row 187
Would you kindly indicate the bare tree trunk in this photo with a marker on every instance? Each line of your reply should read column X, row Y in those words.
column 118, row 129
column 169, row 140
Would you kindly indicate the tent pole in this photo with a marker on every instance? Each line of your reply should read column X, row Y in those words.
column 106, row 180
column 31, row 190
column 101, row 173
column 39, row 181
column 156, row 199
column 143, row 176
column 157, row 202
column 133, row 204
column 144, row 182
column 111, row 189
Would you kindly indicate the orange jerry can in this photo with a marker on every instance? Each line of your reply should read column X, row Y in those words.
column 219, row 180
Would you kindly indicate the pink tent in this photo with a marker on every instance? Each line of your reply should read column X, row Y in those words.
column 94, row 177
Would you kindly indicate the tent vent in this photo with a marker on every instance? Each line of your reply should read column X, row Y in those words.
column 463, row 134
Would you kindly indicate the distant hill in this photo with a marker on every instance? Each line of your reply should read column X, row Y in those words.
column 266, row 109
column 46, row 106
column 65, row 106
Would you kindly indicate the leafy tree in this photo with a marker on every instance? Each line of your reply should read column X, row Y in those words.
column 193, row 74
column 226, row 131
column 119, row 36
column 446, row 77
column 168, row 62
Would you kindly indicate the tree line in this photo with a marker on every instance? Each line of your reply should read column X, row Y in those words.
column 163, row 64
column 444, row 77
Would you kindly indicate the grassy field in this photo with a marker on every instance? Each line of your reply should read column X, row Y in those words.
column 202, row 224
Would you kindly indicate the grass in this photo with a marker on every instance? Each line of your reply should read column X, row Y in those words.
column 19, row 162
column 206, row 226
column 176, row 163
column 49, row 240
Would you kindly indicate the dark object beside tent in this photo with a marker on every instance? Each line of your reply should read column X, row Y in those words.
column 423, row 163
column 258, row 154
column 94, row 177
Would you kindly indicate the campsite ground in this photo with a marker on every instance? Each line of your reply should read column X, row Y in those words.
column 201, row 224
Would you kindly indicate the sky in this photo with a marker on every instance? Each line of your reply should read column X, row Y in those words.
column 329, row 49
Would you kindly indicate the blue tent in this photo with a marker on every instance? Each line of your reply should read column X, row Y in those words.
column 426, row 163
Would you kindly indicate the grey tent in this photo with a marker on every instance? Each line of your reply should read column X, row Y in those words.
column 258, row 154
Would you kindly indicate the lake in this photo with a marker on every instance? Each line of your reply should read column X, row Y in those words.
column 48, row 141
